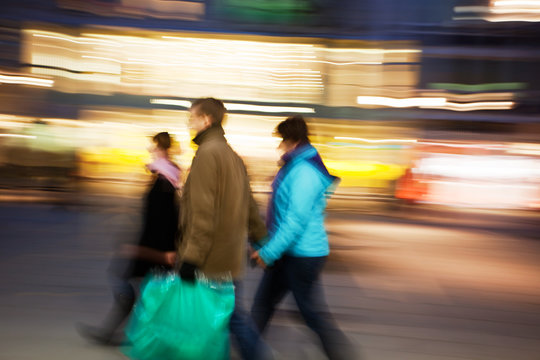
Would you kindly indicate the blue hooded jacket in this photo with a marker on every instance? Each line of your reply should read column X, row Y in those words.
column 295, row 218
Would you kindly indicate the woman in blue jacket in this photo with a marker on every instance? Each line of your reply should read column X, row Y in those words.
column 297, row 246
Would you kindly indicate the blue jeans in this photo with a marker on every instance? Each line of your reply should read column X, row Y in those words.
column 248, row 339
column 301, row 276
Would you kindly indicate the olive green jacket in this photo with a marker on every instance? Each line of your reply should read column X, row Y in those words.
column 218, row 209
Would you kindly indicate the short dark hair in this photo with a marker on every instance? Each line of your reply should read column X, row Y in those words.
column 162, row 140
column 211, row 107
column 293, row 128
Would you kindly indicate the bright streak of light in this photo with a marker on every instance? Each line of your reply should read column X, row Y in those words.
column 485, row 185
column 134, row 61
column 239, row 42
column 346, row 63
column 515, row 11
column 503, row 10
column 268, row 109
column 105, row 78
column 238, row 69
column 253, row 139
column 503, row 96
column 67, row 38
column 240, row 107
column 495, row 105
column 375, row 141
column 182, row 103
column 480, row 167
column 525, row 149
column 433, row 103
column 6, row 125
column 145, row 62
column 69, row 122
column 533, row 3
column 18, row 136
column 374, row 51
column 400, row 103
column 471, row 146
column 109, row 59
column 25, row 80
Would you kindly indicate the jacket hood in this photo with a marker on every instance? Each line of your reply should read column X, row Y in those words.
column 306, row 152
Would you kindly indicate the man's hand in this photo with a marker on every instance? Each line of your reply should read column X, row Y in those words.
column 170, row 258
column 255, row 257
column 187, row 272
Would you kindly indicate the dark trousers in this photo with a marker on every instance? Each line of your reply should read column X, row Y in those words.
column 301, row 276
column 250, row 344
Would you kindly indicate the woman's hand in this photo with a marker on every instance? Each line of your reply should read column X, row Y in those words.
column 256, row 257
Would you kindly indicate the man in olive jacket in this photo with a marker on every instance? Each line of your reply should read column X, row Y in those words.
column 218, row 214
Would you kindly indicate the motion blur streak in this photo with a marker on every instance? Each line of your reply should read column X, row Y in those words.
column 400, row 103
column 25, row 80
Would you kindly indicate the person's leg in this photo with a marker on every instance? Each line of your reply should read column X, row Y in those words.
column 271, row 290
column 247, row 337
column 303, row 276
column 124, row 299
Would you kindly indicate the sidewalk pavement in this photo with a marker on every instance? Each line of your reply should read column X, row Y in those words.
column 400, row 291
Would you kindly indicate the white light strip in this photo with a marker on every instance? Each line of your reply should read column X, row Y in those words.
column 506, row 96
column 237, row 42
column 375, row 141
column 485, row 105
column 433, row 103
column 182, row 103
column 400, row 103
column 109, row 59
column 69, row 39
column 239, row 107
column 18, row 136
column 513, row 3
column 347, row 63
column 269, row 109
column 515, row 11
column 258, row 139
column 374, row 51
column 484, row 185
column 25, row 80
column 474, row 146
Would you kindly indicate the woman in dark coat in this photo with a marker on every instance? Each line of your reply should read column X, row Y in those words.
column 156, row 248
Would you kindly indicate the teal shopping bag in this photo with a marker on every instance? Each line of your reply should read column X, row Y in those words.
column 177, row 320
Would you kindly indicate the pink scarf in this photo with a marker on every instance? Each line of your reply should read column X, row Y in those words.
column 166, row 168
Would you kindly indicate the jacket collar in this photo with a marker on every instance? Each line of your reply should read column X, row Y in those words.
column 300, row 152
column 213, row 132
column 306, row 152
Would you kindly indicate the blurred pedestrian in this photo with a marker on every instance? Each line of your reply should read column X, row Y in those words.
column 297, row 245
column 156, row 248
column 218, row 215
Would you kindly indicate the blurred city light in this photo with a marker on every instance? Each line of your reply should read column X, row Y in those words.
column 427, row 111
